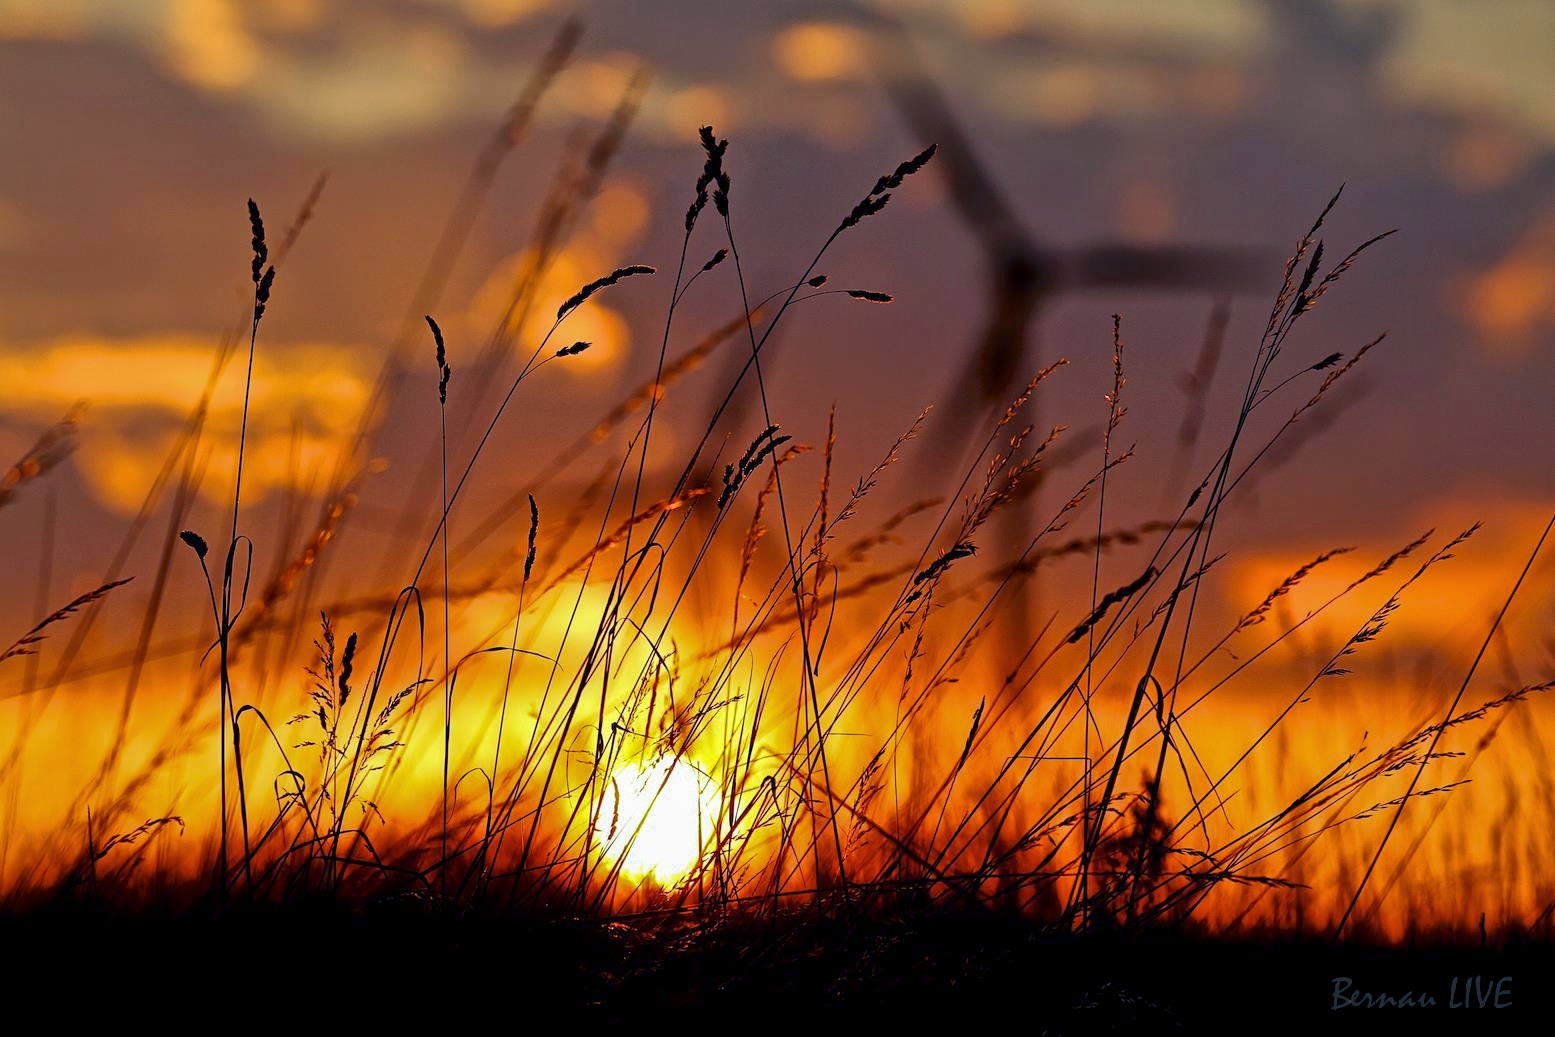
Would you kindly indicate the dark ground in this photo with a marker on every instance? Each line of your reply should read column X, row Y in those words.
column 404, row 962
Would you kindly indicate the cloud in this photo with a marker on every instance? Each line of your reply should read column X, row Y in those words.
column 43, row 19
column 816, row 51
column 209, row 45
column 383, row 79
column 614, row 225
column 495, row 13
column 304, row 399
column 1205, row 27
column 1513, row 299
column 1450, row 608
column 1471, row 59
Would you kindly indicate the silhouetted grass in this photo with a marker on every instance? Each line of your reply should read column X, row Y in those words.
column 883, row 808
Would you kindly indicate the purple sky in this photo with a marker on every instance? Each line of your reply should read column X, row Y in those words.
column 133, row 139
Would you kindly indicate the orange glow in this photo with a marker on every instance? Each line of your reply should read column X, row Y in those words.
column 620, row 214
column 600, row 324
column 40, row 19
column 210, row 46
column 991, row 19
column 655, row 819
column 1515, row 296
column 694, row 105
column 818, row 51
column 660, row 692
column 304, row 398
column 1065, row 96
column 502, row 12
column 1486, row 157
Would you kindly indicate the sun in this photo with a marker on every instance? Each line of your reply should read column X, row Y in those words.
column 654, row 819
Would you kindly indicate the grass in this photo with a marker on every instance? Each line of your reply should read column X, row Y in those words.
column 897, row 789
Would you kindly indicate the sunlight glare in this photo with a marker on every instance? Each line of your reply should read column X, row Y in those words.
column 654, row 819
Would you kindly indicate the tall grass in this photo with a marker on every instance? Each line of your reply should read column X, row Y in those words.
column 823, row 713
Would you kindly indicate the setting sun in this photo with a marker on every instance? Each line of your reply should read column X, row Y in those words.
column 654, row 819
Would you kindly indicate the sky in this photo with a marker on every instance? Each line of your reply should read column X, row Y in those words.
column 135, row 130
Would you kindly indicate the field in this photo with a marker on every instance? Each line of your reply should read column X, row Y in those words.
column 672, row 708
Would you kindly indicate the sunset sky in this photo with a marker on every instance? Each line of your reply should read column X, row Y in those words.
column 134, row 131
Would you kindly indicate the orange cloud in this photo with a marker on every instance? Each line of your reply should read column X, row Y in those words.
column 209, row 45
column 1514, row 297
column 1451, row 607
column 42, row 19
column 304, row 398
column 618, row 221
column 498, row 13
column 818, row 51
column 1484, row 157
